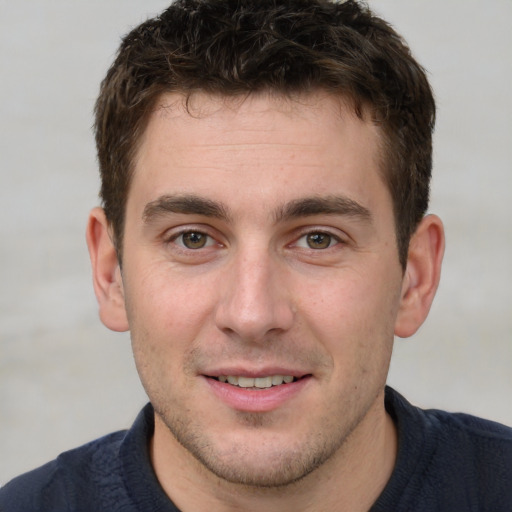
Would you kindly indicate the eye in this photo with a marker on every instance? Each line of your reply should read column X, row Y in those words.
column 317, row 240
column 193, row 240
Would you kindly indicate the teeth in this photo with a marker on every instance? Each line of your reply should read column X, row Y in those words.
column 263, row 382
column 245, row 382
column 258, row 382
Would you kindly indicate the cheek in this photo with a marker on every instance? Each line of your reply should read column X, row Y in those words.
column 163, row 301
column 166, row 317
column 354, row 314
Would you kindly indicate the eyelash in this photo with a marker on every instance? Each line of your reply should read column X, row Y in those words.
column 334, row 240
column 176, row 236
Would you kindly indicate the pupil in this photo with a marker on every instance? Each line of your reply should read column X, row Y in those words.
column 194, row 240
column 319, row 240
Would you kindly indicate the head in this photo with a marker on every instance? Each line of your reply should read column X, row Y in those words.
column 234, row 48
column 264, row 165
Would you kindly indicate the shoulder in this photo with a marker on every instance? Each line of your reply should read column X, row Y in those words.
column 481, row 432
column 447, row 425
column 453, row 457
column 474, row 440
column 474, row 456
column 68, row 482
column 484, row 447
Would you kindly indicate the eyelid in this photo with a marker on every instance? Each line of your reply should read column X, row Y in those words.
column 173, row 234
column 337, row 235
column 332, row 242
column 178, row 239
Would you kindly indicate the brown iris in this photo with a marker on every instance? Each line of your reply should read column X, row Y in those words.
column 194, row 240
column 318, row 240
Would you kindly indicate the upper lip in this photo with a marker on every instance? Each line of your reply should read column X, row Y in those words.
column 255, row 373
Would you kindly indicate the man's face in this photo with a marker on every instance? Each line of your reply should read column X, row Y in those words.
column 260, row 248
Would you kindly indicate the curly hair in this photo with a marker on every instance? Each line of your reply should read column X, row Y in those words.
column 234, row 47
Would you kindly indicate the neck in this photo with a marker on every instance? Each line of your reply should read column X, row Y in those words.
column 352, row 479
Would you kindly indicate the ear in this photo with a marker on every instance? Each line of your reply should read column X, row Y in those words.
column 107, row 279
column 422, row 275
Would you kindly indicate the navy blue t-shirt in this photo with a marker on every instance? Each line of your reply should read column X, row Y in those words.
column 446, row 462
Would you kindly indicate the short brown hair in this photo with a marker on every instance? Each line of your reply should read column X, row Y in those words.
column 236, row 47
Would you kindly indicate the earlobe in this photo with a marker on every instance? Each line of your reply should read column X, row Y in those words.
column 107, row 279
column 422, row 275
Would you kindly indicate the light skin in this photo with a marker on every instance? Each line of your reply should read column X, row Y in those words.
column 260, row 242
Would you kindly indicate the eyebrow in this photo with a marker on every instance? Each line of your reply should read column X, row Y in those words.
column 190, row 204
column 187, row 204
column 330, row 205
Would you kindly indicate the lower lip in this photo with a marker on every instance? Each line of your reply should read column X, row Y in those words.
column 256, row 400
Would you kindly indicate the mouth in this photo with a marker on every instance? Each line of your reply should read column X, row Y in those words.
column 257, row 383
column 259, row 392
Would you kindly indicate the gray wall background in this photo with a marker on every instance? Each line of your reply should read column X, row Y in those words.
column 65, row 379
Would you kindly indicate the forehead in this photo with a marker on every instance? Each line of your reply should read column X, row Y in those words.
column 268, row 144
column 259, row 114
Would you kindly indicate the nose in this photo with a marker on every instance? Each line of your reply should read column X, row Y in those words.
column 254, row 301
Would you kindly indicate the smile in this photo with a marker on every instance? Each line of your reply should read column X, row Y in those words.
column 257, row 394
column 256, row 382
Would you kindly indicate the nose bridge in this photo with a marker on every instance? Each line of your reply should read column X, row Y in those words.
column 254, row 299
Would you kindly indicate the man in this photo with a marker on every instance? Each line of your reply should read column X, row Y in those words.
column 265, row 174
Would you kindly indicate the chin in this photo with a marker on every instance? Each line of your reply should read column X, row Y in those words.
column 254, row 456
column 267, row 471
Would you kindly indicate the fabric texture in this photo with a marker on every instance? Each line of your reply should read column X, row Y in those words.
column 446, row 462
